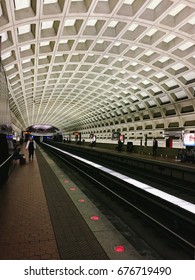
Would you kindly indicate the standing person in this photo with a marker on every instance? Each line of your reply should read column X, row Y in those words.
column 155, row 146
column 94, row 141
column 4, row 155
column 31, row 146
column 120, row 145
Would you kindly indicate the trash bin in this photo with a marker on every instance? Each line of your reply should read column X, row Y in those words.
column 129, row 146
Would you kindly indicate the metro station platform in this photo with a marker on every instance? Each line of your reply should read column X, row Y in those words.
column 45, row 216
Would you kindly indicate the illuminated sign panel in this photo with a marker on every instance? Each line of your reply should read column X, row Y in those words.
column 115, row 135
column 26, row 132
column 189, row 139
column 76, row 133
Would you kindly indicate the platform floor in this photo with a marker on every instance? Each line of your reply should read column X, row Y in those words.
column 25, row 226
column 43, row 217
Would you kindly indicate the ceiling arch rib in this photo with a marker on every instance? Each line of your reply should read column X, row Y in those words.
column 72, row 62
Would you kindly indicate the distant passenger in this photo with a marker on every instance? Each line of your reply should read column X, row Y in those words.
column 155, row 146
column 94, row 140
column 119, row 148
column 31, row 146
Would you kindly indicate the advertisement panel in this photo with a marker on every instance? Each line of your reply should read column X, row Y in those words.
column 189, row 139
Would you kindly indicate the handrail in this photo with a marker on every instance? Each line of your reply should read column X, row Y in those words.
column 6, row 160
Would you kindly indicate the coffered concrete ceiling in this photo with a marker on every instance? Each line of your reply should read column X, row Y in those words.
column 75, row 64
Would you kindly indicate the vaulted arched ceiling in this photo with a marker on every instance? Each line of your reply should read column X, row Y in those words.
column 71, row 63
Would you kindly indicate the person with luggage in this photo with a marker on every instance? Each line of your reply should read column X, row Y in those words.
column 17, row 155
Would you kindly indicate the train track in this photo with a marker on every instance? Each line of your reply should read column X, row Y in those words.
column 173, row 186
column 173, row 223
